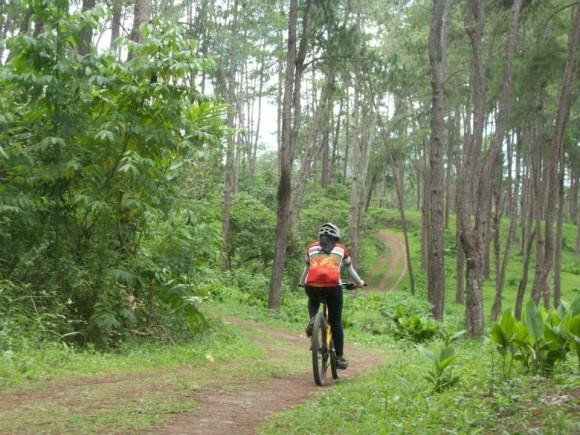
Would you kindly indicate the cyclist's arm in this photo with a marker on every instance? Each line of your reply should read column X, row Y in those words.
column 352, row 272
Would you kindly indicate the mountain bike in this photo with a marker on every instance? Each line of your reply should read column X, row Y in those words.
column 323, row 352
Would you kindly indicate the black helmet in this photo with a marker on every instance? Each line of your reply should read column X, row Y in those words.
column 330, row 230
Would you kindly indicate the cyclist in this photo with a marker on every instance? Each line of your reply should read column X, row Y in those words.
column 321, row 280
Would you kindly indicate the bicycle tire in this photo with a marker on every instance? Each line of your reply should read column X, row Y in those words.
column 333, row 367
column 319, row 351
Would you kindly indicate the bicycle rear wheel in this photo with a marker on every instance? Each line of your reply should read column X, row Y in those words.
column 319, row 352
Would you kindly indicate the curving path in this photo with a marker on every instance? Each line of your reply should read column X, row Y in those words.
column 223, row 400
column 232, row 397
column 245, row 407
column 394, row 263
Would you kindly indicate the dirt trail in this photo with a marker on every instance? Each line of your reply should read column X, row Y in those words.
column 243, row 409
column 395, row 261
column 224, row 400
column 226, row 397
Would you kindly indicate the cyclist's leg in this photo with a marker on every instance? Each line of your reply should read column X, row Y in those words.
column 313, row 300
column 334, row 301
column 313, row 307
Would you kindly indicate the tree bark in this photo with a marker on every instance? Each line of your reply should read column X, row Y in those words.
column 312, row 147
column 86, row 34
column 326, row 126
column 116, row 23
column 230, row 170
column 346, row 136
column 436, row 260
column 501, row 270
column 558, row 247
column 254, row 154
column 574, row 181
column 399, row 176
column 292, row 79
column 140, row 17
column 474, row 239
column 425, row 208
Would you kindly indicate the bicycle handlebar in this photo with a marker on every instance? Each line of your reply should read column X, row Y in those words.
column 344, row 286
column 350, row 285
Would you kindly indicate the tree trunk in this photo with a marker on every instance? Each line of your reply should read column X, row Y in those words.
column 453, row 133
column 574, row 181
column 399, row 176
column 335, row 143
column 230, row 170
column 86, row 34
column 360, row 164
column 312, row 147
column 462, row 179
column 524, row 279
column 558, row 247
column 325, row 172
column 346, row 136
column 578, row 231
column 425, row 208
column 292, row 79
column 501, row 270
column 537, row 186
column 436, row 261
column 254, row 153
column 116, row 23
column 140, row 16
column 474, row 239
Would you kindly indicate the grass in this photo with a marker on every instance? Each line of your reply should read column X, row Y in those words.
column 396, row 399
column 53, row 361
column 138, row 389
column 65, row 390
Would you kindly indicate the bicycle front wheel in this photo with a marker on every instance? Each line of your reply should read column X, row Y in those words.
column 319, row 352
column 333, row 367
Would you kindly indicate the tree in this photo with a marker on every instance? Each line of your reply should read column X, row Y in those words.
column 436, row 261
column 291, row 86
column 230, row 169
column 473, row 239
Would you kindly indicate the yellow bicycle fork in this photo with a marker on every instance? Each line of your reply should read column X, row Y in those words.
column 328, row 337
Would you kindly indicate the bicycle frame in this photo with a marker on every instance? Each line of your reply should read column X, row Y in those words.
column 328, row 335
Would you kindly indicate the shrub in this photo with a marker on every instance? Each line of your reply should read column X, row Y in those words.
column 413, row 328
column 539, row 342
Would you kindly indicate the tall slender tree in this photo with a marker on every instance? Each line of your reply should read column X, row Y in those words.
column 435, row 258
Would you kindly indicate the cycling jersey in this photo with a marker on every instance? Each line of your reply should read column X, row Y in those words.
column 324, row 269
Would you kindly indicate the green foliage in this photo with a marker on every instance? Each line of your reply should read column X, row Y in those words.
column 93, row 229
column 253, row 228
column 541, row 341
column 440, row 376
column 412, row 327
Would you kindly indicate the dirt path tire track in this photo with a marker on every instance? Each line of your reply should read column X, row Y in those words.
column 395, row 260
column 243, row 409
